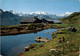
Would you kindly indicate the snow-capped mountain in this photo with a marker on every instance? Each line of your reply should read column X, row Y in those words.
column 17, row 13
column 65, row 14
column 39, row 12
column 13, row 17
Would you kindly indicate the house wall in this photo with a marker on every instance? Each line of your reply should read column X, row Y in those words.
column 28, row 22
column 37, row 21
column 25, row 22
column 50, row 22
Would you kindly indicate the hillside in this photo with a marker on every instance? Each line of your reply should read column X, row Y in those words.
column 73, row 18
column 8, row 18
column 68, row 48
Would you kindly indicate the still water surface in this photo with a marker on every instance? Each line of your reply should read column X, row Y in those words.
column 13, row 44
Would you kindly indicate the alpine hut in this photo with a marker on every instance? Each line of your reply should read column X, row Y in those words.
column 30, row 20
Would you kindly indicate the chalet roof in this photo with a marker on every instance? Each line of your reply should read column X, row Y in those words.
column 49, row 19
column 57, row 21
column 28, row 20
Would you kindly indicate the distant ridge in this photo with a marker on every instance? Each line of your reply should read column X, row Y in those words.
column 13, row 18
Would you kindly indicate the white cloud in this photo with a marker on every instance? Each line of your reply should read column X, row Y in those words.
column 79, row 0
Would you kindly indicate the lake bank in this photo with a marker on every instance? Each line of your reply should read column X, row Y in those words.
column 27, row 28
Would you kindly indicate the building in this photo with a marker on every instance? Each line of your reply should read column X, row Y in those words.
column 30, row 20
column 37, row 20
column 57, row 22
column 47, row 21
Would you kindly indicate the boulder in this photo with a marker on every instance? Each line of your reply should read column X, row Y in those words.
column 27, row 48
column 73, row 29
column 44, row 39
column 39, row 39
column 52, row 51
column 47, row 31
column 32, row 46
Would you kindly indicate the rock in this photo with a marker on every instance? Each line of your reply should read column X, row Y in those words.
column 39, row 39
column 73, row 29
column 61, row 50
column 34, row 48
column 67, row 42
column 27, row 48
column 52, row 51
column 32, row 45
column 47, row 31
column 44, row 39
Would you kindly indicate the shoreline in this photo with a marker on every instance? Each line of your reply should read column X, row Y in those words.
column 27, row 31
column 32, row 46
column 20, row 30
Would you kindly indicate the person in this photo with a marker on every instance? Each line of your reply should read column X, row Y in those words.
column 63, row 39
column 60, row 40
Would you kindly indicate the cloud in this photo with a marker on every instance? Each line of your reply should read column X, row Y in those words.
column 79, row 0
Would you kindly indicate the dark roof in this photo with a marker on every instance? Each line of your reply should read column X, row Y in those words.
column 28, row 20
column 57, row 21
column 49, row 19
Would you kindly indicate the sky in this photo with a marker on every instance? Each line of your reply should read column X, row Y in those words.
column 49, row 6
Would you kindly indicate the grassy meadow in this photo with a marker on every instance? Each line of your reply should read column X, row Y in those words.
column 68, row 48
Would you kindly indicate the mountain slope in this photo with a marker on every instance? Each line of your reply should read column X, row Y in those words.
column 8, row 18
column 72, row 19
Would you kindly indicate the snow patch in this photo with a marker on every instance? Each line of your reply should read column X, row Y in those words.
column 39, row 12
column 66, row 14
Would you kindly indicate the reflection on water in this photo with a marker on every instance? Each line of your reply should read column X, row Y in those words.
column 12, row 45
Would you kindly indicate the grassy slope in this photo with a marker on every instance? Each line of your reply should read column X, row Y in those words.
column 68, row 48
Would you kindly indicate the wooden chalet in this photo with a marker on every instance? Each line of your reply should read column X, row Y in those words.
column 47, row 21
column 30, row 20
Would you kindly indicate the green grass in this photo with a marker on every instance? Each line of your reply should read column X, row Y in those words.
column 9, row 26
column 70, row 49
column 72, row 40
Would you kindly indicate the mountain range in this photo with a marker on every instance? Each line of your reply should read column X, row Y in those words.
column 13, row 18
column 8, row 18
